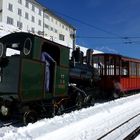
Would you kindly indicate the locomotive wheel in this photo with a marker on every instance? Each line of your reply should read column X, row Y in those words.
column 79, row 101
column 89, row 101
column 29, row 117
column 92, row 101
column 5, row 112
column 60, row 110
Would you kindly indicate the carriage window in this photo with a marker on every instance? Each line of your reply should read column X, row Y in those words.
column 10, row 52
column 138, row 69
column 117, row 66
column 125, row 68
column 98, row 63
column 133, row 67
column 110, row 65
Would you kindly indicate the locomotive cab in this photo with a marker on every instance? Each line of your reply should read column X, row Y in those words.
column 29, row 82
column 23, row 72
column 12, row 49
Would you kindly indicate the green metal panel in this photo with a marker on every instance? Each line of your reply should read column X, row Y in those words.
column 61, row 84
column 32, row 80
column 64, row 56
column 37, row 48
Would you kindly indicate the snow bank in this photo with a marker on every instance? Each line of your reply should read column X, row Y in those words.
column 7, row 29
column 86, row 124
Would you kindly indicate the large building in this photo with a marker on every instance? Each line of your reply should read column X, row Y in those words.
column 31, row 16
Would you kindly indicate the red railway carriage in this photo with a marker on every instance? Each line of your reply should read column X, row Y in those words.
column 116, row 70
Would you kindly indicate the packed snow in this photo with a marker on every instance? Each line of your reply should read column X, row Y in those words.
column 86, row 124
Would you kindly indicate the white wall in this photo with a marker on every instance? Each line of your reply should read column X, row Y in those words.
column 1, row 2
column 61, row 27
column 0, row 16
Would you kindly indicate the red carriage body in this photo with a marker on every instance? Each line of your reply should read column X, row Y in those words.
column 116, row 68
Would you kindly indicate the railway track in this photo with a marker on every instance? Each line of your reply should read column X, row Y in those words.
column 133, row 134
column 15, row 123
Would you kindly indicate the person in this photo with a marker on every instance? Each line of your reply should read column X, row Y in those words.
column 118, row 89
column 45, row 57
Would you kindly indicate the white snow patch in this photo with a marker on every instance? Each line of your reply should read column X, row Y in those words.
column 6, row 29
column 86, row 124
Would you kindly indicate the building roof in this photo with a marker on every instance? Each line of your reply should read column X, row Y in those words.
column 126, row 58
column 59, row 18
column 47, row 10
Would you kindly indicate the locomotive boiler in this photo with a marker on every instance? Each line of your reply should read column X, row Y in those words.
column 81, row 70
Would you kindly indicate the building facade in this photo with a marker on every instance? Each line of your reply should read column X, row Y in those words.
column 30, row 16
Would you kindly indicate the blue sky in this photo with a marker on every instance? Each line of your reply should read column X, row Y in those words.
column 118, row 18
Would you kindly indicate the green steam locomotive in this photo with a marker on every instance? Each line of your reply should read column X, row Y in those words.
column 36, row 77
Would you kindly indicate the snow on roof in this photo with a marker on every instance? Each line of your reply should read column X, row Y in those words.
column 7, row 29
column 84, row 50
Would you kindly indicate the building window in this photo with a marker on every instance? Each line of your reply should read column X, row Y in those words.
column 33, row 8
column 19, row 24
column 56, row 22
column 19, row 12
column 33, row 30
column 51, row 28
column 20, row 1
column 55, row 30
column 10, row 7
column 46, row 26
column 51, row 38
column 27, row 4
column 39, row 12
column 10, row 21
column 63, row 26
column 40, row 32
column 52, row 19
column 26, row 15
column 46, row 16
column 61, row 37
column 33, row 19
column 39, row 22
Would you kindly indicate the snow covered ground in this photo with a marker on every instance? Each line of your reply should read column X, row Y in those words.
column 86, row 124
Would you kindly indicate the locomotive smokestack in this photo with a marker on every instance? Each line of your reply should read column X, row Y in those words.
column 77, row 55
column 89, row 56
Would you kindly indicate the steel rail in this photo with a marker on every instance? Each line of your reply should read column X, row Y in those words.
column 133, row 134
column 103, row 136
